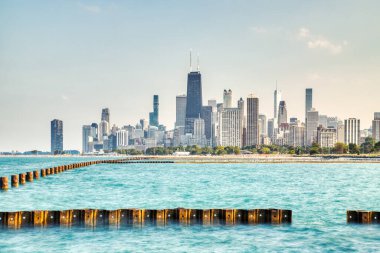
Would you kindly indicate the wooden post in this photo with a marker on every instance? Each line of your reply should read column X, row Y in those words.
column 43, row 172
column 15, row 180
column 26, row 219
column 13, row 219
column 22, row 177
column 39, row 218
column 89, row 215
column 29, row 176
column 241, row 216
column 52, row 217
column 114, row 217
column 65, row 217
column 36, row 174
column 4, row 183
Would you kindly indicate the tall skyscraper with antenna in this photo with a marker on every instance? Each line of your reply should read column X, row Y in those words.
column 193, row 98
column 277, row 99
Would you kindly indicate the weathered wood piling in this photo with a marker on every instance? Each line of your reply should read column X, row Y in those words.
column 30, row 176
column 4, row 183
column 363, row 217
column 139, row 217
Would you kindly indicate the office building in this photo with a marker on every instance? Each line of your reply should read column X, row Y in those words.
column 106, row 115
column 312, row 122
column 352, row 131
column 207, row 116
column 153, row 116
column 296, row 134
column 104, row 130
column 121, row 138
column 326, row 137
column 231, row 134
column 376, row 127
column 180, row 115
column 308, row 100
column 56, row 136
column 227, row 99
column 277, row 99
column 193, row 100
column 271, row 128
column 262, row 124
column 282, row 113
column 252, row 121
column 87, row 139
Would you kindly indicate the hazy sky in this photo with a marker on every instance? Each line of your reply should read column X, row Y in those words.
column 68, row 59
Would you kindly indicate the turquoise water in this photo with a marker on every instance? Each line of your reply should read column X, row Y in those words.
column 318, row 194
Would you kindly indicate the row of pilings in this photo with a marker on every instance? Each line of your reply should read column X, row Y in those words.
column 126, row 217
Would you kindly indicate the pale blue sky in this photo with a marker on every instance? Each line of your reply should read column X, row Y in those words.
column 68, row 59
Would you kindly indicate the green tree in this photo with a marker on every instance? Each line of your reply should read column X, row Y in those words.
column 353, row 148
column 368, row 146
column 377, row 147
column 219, row 150
column 315, row 149
column 265, row 150
column 340, row 148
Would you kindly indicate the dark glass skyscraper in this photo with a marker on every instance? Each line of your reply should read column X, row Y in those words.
column 193, row 100
column 56, row 136
column 206, row 115
column 308, row 100
column 153, row 116
column 106, row 114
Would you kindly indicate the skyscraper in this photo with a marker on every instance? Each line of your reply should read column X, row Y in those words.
column 227, row 99
column 376, row 127
column 263, row 124
column 282, row 113
column 352, row 131
column 312, row 120
column 180, row 115
column 207, row 115
column 308, row 100
column 253, row 121
column 153, row 116
column 56, row 136
column 193, row 100
column 242, row 118
column 106, row 115
column 231, row 127
column 86, row 139
column 277, row 99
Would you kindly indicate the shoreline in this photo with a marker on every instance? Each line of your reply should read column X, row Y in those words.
column 202, row 159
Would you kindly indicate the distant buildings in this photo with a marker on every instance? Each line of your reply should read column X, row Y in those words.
column 277, row 99
column 105, row 115
column 352, row 131
column 87, row 139
column 231, row 134
column 56, row 136
column 252, row 121
column 376, row 127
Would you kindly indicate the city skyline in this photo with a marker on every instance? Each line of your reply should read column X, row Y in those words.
column 40, row 83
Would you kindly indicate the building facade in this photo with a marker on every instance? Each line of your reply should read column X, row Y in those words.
column 308, row 100
column 352, row 131
column 56, row 136
column 376, row 127
column 253, row 121
column 326, row 137
column 312, row 122
column 193, row 100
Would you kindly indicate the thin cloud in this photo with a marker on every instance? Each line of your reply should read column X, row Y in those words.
column 90, row 8
column 64, row 97
column 319, row 42
column 257, row 29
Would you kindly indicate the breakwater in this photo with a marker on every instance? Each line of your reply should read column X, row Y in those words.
column 125, row 217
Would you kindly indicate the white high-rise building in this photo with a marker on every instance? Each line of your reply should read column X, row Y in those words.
column 376, row 127
column 253, row 121
column 277, row 99
column 122, row 138
column 352, row 131
column 199, row 136
column 263, row 124
column 231, row 127
column 180, row 111
column 312, row 122
column 296, row 134
column 227, row 99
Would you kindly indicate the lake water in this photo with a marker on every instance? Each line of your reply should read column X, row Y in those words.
column 318, row 194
